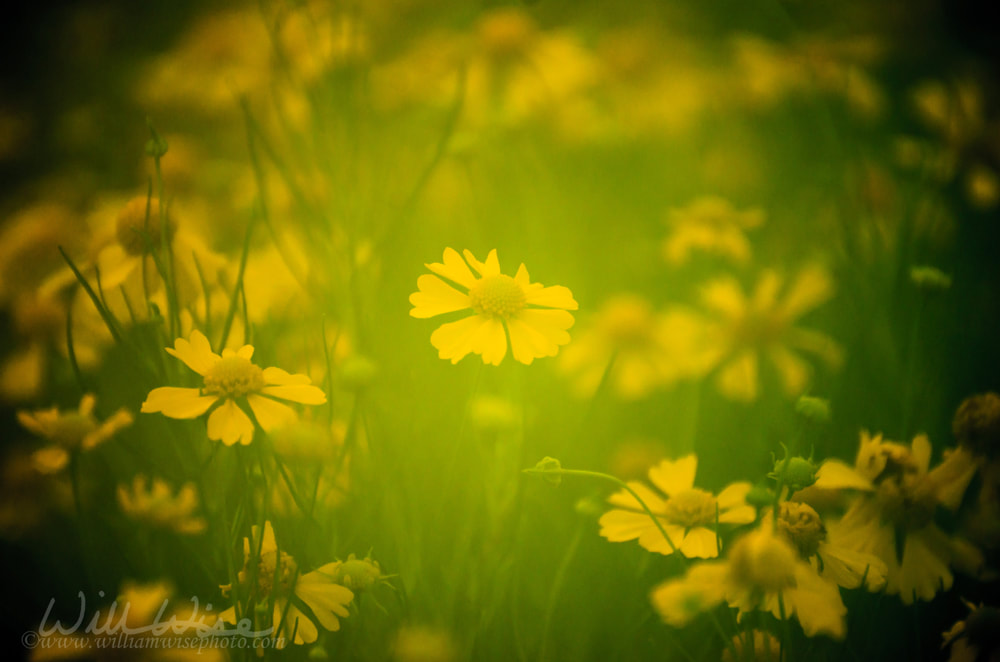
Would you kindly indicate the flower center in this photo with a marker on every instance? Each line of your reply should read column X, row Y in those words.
column 802, row 526
column 233, row 377
column 693, row 507
column 266, row 567
column 134, row 228
column 497, row 296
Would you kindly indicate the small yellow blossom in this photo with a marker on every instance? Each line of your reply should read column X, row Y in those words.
column 763, row 571
column 156, row 504
column 744, row 329
column 326, row 599
column 534, row 316
column 892, row 516
column 712, row 225
column 643, row 349
column 688, row 514
column 229, row 378
column 70, row 432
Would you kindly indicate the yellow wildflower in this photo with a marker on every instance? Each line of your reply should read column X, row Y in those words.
column 892, row 518
column 534, row 316
column 157, row 504
column 688, row 514
column 227, row 378
column 710, row 224
column 643, row 348
column 70, row 431
column 326, row 599
column 743, row 329
column 763, row 572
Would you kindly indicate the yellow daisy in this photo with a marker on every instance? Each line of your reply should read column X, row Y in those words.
column 535, row 317
column 228, row 378
column 157, row 504
column 743, row 329
column 317, row 590
column 70, row 431
column 688, row 514
column 763, row 572
column 892, row 517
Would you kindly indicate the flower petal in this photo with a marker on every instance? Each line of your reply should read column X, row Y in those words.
column 725, row 297
column 555, row 296
column 836, row 475
column 535, row 333
column 812, row 287
column 489, row 268
column 306, row 394
column 436, row 298
column 456, row 339
column 230, row 424
column 793, row 371
column 196, row 354
column 305, row 630
column 177, row 402
column 271, row 414
column 700, row 543
column 738, row 378
column 624, row 499
column 454, row 269
column 673, row 476
column 327, row 599
column 277, row 376
column 492, row 342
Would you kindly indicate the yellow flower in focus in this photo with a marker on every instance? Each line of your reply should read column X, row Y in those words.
column 70, row 432
column 744, row 329
column 535, row 317
column 892, row 517
column 712, row 225
column 763, row 571
column 229, row 378
column 326, row 599
column 157, row 504
column 688, row 514
column 644, row 349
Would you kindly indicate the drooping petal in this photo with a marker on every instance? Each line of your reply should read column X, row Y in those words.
column 625, row 499
column 230, row 424
column 792, row 370
column 492, row 342
column 700, row 543
column 87, row 403
column 436, row 298
column 327, row 599
column 456, row 339
column 306, row 394
column 673, row 476
column 271, row 414
column 555, row 296
column 295, row 621
column 454, row 269
column 120, row 419
column 835, row 475
column 846, row 567
column 812, row 287
column 489, row 268
column 680, row 600
column 920, row 450
column 817, row 604
column 196, row 354
column 527, row 343
column 177, row 402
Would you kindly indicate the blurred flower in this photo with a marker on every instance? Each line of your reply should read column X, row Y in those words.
column 414, row 643
column 892, row 517
column 263, row 564
column 930, row 279
column 156, row 504
column 802, row 526
column 162, row 633
column 763, row 571
column 641, row 348
column 70, row 432
column 227, row 378
column 976, row 424
column 688, row 514
column 535, row 317
column 27, row 495
column 975, row 639
column 712, row 225
column 632, row 458
column 745, row 329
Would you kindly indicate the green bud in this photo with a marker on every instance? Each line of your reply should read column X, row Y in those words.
column 795, row 472
column 156, row 146
column 813, row 409
column 930, row 279
column 318, row 653
column 760, row 496
column 548, row 468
